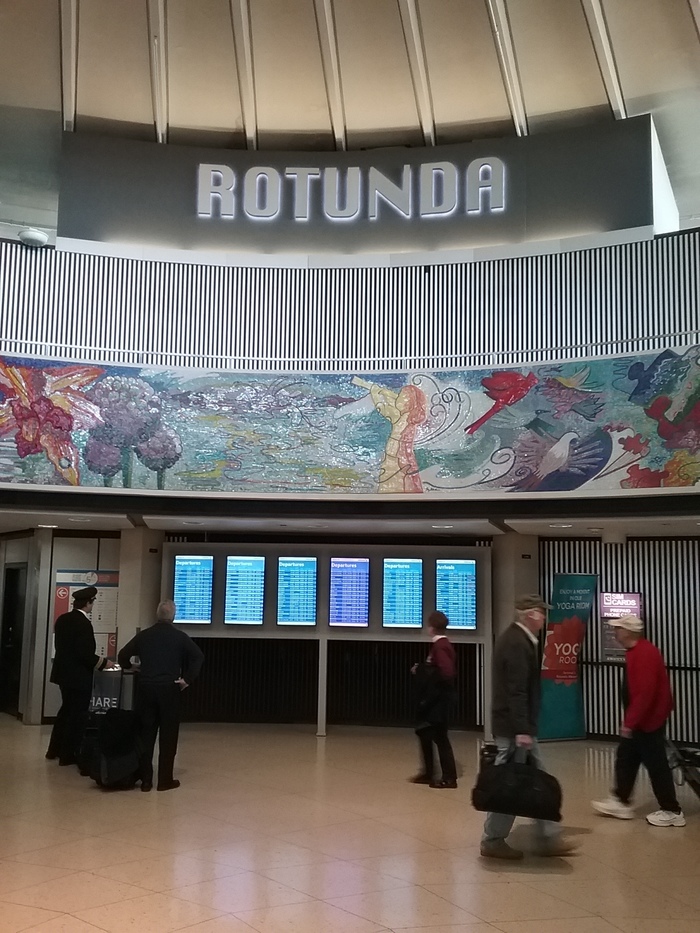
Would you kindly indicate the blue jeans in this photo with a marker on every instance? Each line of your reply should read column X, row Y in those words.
column 498, row 825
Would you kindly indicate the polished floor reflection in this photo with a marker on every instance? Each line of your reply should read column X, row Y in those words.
column 277, row 831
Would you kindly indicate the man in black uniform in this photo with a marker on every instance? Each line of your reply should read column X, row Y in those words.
column 169, row 662
column 74, row 662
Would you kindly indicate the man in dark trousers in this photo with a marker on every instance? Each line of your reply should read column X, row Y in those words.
column 515, row 711
column 169, row 662
column 648, row 703
column 74, row 662
column 436, row 678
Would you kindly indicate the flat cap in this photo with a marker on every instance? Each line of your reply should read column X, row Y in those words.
column 530, row 601
column 86, row 594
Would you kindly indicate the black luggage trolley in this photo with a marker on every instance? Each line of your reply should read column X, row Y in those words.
column 685, row 765
column 109, row 751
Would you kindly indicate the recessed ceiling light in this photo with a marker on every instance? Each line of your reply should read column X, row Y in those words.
column 561, row 525
column 79, row 519
column 443, row 526
column 47, row 526
column 595, row 529
column 192, row 523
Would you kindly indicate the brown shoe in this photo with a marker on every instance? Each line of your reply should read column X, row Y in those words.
column 500, row 849
column 556, row 847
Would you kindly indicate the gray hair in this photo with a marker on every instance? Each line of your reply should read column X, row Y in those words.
column 166, row 611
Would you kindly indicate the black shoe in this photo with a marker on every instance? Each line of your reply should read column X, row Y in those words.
column 168, row 785
column 442, row 785
column 65, row 762
column 146, row 786
column 49, row 756
column 420, row 779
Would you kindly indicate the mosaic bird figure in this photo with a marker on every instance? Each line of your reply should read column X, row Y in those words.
column 505, row 389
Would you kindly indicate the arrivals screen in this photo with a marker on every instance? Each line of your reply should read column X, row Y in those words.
column 349, row 591
column 403, row 593
column 245, row 589
column 456, row 592
column 192, row 589
column 296, row 591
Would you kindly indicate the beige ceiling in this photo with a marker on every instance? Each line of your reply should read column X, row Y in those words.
column 327, row 74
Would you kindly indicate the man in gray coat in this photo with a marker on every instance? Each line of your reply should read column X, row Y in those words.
column 515, row 711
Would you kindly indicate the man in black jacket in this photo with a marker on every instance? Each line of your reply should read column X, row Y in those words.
column 169, row 662
column 515, row 711
column 74, row 662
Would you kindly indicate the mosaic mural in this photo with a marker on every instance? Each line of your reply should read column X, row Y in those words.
column 603, row 426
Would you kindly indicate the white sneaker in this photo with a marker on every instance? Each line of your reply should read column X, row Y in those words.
column 613, row 807
column 666, row 818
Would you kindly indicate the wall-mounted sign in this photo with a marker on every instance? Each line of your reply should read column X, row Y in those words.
column 614, row 606
column 591, row 180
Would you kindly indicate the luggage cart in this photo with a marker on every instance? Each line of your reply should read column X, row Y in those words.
column 684, row 762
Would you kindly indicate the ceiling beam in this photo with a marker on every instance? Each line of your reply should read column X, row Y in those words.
column 505, row 49
column 243, row 44
column 69, row 62
column 600, row 36
column 695, row 10
column 158, row 56
column 330, row 59
column 418, row 63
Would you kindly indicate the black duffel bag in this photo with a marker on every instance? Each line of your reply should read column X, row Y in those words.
column 518, row 789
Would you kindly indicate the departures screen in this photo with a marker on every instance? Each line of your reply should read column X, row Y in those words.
column 245, row 590
column 296, row 591
column 403, row 593
column 349, row 591
column 192, row 589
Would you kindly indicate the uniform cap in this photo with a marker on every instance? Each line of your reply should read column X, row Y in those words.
column 86, row 594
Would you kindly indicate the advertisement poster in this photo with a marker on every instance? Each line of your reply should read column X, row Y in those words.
column 104, row 610
column 562, row 715
column 613, row 606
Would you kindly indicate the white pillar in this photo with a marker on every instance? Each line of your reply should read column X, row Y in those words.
column 515, row 570
column 140, row 559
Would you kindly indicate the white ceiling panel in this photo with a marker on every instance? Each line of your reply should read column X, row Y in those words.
column 204, row 100
column 616, row 528
column 313, row 526
column 380, row 103
column 559, row 72
column 114, row 76
column 292, row 103
column 467, row 91
column 28, row 521
column 30, row 54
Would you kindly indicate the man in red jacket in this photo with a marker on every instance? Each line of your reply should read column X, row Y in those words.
column 648, row 703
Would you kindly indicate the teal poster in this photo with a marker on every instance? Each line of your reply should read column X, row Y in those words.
column 561, row 714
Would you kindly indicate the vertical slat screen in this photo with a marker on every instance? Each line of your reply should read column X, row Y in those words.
column 667, row 574
column 612, row 300
column 254, row 680
column 370, row 683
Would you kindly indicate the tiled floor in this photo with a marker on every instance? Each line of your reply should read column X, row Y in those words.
column 277, row 831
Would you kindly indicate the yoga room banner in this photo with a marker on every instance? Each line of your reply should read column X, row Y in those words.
column 562, row 715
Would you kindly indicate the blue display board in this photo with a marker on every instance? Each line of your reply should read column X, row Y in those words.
column 296, row 591
column 192, row 589
column 403, row 593
column 349, row 591
column 245, row 590
column 456, row 592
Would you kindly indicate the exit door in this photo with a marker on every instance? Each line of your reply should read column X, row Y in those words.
column 11, row 633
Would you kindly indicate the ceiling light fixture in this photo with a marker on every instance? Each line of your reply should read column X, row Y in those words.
column 561, row 525
column 595, row 529
column 443, row 526
column 192, row 523
column 79, row 519
column 47, row 526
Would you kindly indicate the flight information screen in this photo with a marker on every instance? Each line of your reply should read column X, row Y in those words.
column 193, row 588
column 349, row 591
column 296, row 591
column 245, row 589
column 456, row 592
column 403, row 593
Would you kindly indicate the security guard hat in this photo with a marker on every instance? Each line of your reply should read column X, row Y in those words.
column 86, row 594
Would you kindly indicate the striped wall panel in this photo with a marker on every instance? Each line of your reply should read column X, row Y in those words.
column 667, row 573
column 634, row 297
